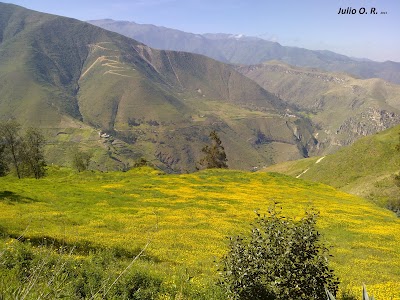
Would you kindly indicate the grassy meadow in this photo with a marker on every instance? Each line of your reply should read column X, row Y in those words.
column 366, row 168
column 183, row 221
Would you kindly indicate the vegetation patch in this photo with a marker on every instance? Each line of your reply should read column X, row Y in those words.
column 185, row 220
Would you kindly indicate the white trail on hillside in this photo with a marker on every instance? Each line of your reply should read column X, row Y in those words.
column 305, row 171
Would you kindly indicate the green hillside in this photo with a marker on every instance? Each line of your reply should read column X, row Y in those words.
column 343, row 108
column 187, row 217
column 77, row 81
column 366, row 168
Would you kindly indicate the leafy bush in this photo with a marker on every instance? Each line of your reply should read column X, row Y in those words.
column 280, row 259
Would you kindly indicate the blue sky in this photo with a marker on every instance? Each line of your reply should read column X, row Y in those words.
column 312, row 24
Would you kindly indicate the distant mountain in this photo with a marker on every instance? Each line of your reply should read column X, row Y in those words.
column 123, row 100
column 163, row 38
column 342, row 107
column 238, row 49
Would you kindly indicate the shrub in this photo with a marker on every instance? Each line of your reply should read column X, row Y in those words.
column 142, row 162
column 280, row 259
column 81, row 160
column 394, row 205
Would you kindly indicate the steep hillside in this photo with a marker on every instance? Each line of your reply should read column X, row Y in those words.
column 185, row 219
column 343, row 108
column 125, row 100
column 240, row 49
column 366, row 168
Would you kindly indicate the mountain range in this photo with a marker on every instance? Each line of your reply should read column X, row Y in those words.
column 239, row 49
column 98, row 90
column 123, row 100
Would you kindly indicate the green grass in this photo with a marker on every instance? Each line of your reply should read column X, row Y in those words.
column 366, row 168
column 186, row 218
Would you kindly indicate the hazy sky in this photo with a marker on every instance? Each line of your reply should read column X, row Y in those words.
column 312, row 24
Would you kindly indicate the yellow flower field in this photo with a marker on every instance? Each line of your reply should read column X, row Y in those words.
column 186, row 219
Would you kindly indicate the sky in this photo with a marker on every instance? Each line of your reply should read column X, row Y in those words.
column 311, row 24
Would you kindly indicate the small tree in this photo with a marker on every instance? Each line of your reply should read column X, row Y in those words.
column 32, row 153
column 9, row 134
column 81, row 160
column 3, row 160
column 214, row 155
column 281, row 259
column 25, row 153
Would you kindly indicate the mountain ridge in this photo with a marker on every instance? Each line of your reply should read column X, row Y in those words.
column 78, row 81
column 250, row 51
column 342, row 106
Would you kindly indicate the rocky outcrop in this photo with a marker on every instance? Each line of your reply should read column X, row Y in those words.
column 369, row 122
